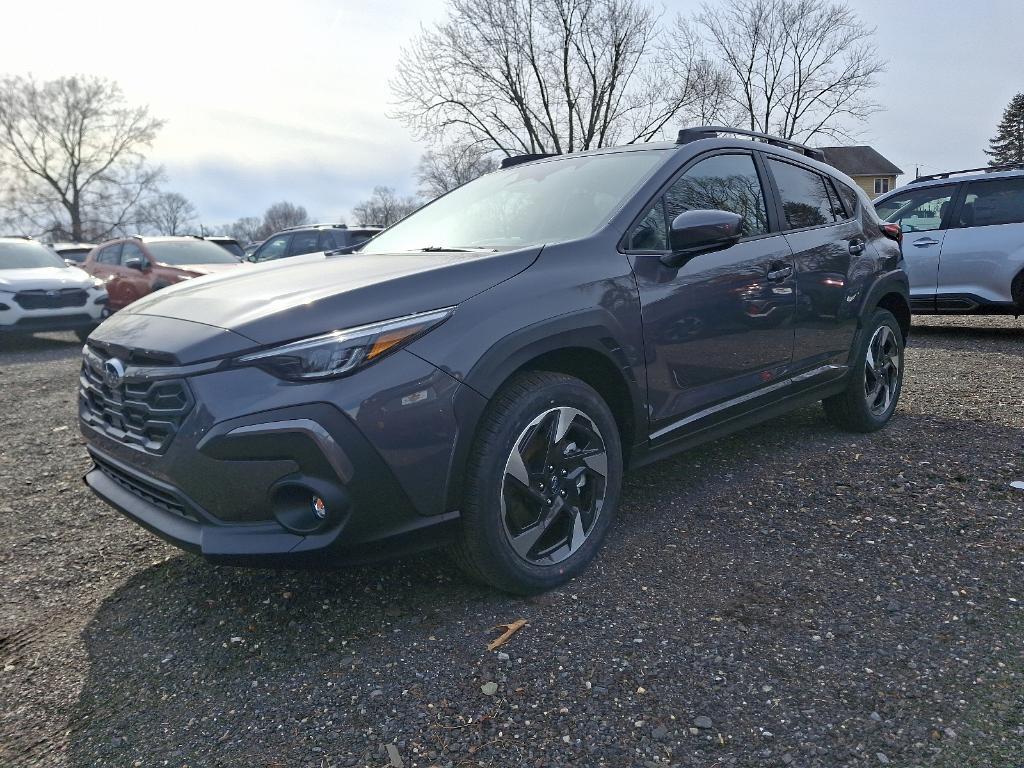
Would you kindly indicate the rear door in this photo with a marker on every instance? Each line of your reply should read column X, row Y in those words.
column 984, row 247
column 828, row 245
column 923, row 214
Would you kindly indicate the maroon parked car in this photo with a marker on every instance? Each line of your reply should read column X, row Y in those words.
column 135, row 266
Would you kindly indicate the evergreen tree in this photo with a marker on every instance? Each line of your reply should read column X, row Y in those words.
column 1008, row 144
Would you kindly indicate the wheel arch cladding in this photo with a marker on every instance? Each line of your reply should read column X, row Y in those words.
column 897, row 304
column 590, row 355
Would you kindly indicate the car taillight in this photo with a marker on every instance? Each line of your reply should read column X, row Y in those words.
column 893, row 232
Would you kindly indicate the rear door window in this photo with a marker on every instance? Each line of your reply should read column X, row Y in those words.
column 304, row 242
column 329, row 240
column 991, row 203
column 805, row 200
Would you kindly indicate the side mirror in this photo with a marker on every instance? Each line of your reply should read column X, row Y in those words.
column 696, row 232
column 136, row 263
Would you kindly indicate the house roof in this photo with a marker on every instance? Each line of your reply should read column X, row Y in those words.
column 859, row 161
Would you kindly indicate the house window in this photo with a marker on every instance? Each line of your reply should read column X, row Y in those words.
column 881, row 185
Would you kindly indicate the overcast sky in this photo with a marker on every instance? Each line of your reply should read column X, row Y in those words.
column 267, row 101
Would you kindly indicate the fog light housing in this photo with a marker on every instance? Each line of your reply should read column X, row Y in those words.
column 304, row 505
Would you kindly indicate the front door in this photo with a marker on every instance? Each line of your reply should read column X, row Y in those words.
column 107, row 267
column 923, row 214
column 135, row 282
column 720, row 327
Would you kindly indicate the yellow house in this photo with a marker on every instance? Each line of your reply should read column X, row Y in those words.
column 872, row 172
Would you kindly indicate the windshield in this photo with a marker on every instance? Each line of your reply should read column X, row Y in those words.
column 178, row 252
column 545, row 202
column 28, row 255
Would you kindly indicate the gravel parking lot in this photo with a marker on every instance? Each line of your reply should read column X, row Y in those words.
column 788, row 596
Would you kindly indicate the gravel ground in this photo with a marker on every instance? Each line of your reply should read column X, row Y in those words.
column 788, row 596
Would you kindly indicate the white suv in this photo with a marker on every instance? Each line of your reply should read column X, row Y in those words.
column 40, row 292
column 963, row 239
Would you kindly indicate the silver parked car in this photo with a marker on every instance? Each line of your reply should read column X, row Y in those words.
column 963, row 237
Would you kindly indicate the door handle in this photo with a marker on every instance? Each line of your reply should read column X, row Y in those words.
column 777, row 270
column 924, row 242
column 856, row 247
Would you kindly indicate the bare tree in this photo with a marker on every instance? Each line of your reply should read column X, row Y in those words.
column 281, row 216
column 72, row 151
column 245, row 230
column 442, row 170
column 169, row 213
column 524, row 76
column 384, row 207
column 799, row 68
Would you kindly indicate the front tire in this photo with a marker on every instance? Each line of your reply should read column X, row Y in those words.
column 875, row 380
column 543, row 484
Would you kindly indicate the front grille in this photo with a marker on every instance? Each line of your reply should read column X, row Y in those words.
column 143, row 413
column 158, row 497
column 55, row 299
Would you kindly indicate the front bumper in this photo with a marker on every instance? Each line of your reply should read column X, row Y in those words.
column 373, row 445
column 16, row 319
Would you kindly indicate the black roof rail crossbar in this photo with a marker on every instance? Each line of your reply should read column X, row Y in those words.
column 508, row 162
column 986, row 169
column 686, row 135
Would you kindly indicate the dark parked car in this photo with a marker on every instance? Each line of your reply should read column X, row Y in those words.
column 481, row 374
column 229, row 244
column 310, row 239
column 72, row 253
column 132, row 267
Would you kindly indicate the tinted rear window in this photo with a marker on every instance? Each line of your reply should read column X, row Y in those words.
column 804, row 197
column 990, row 203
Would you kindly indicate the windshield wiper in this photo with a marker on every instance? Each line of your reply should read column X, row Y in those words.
column 447, row 249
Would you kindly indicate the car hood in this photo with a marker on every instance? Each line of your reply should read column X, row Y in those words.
column 306, row 295
column 43, row 278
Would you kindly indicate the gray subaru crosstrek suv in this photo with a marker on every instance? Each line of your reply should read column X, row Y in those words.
column 480, row 375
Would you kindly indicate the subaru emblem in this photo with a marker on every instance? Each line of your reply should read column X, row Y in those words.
column 52, row 294
column 113, row 373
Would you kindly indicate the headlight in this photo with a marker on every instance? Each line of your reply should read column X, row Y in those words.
column 98, row 282
column 342, row 352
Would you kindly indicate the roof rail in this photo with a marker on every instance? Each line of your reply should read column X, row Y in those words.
column 986, row 169
column 686, row 135
column 17, row 237
column 314, row 226
column 508, row 162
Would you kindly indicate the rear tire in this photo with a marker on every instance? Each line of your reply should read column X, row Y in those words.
column 875, row 380
column 542, row 485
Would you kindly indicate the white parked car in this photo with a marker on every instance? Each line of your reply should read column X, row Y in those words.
column 40, row 292
column 963, row 238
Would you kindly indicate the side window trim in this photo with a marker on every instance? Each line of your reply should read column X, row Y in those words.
column 838, row 206
column 766, row 194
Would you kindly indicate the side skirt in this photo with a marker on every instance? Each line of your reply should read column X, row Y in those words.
column 716, row 426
